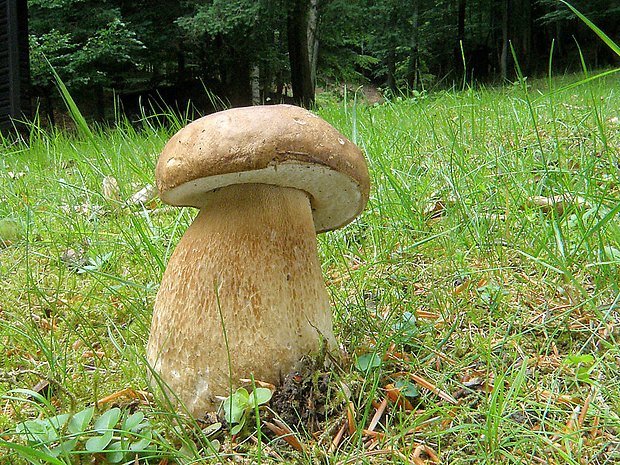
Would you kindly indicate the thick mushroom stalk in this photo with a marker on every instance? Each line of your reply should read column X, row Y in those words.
column 266, row 180
column 250, row 254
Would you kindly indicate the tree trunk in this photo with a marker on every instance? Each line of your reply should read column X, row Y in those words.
column 516, row 36
column 298, row 15
column 505, row 59
column 461, row 20
column 412, row 71
column 526, row 28
column 391, row 71
column 181, row 61
column 99, row 103
column 459, row 60
column 239, row 81
column 255, row 78
column 313, row 40
column 48, row 105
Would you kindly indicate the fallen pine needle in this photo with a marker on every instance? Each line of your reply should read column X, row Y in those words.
column 423, row 448
column 595, row 423
column 371, row 453
column 351, row 417
column 571, row 424
column 336, row 441
column 282, row 431
column 427, row 315
column 373, row 434
column 345, row 276
column 534, row 458
column 430, row 386
column 586, row 406
column 268, row 449
column 378, row 414
column 394, row 394
column 130, row 393
column 372, row 444
column 562, row 399
column 260, row 383
column 442, row 356
column 93, row 353
column 559, row 203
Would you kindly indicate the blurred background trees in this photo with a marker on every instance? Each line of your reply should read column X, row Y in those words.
column 152, row 53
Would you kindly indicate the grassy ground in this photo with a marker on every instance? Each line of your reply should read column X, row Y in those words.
column 482, row 283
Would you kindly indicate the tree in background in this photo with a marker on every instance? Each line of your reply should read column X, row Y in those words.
column 559, row 24
column 302, row 34
column 226, row 40
column 88, row 44
column 241, row 40
column 251, row 50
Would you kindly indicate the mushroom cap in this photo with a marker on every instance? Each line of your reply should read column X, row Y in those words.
column 280, row 145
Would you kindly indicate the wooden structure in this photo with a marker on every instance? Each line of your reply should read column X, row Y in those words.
column 14, row 63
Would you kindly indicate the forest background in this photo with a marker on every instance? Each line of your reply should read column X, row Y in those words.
column 134, row 55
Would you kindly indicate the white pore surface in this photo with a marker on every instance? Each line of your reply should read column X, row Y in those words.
column 335, row 197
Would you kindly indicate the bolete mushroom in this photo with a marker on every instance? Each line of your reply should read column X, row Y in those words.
column 266, row 180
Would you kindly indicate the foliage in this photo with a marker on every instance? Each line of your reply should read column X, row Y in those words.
column 226, row 38
column 117, row 434
column 366, row 362
column 88, row 44
column 239, row 405
column 396, row 44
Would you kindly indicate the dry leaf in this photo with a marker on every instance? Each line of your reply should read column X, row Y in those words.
column 143, row 196
column 93, row 353
column 74, row 258
column 438, row 208
column 110, row 189
column 557, row 203
column 15, row 175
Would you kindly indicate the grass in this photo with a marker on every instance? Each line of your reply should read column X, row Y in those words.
column 455, row 276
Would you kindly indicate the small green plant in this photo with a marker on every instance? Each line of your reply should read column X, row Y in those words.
column 583, row 366
column 118, row 435
column 97, row 263
column 368, row 361
column 406, row 328
column 238, row 406
column 407, row 388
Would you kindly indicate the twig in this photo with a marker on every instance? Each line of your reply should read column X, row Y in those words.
column 12, row 375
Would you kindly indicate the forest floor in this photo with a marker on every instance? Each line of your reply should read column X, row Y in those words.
column 476, row 300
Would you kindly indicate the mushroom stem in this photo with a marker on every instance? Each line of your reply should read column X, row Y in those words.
column 251, row 255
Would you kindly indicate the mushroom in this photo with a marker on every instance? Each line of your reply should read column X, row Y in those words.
column 243, row 293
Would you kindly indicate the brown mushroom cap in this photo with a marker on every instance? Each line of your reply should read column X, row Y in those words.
column 279, row 145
